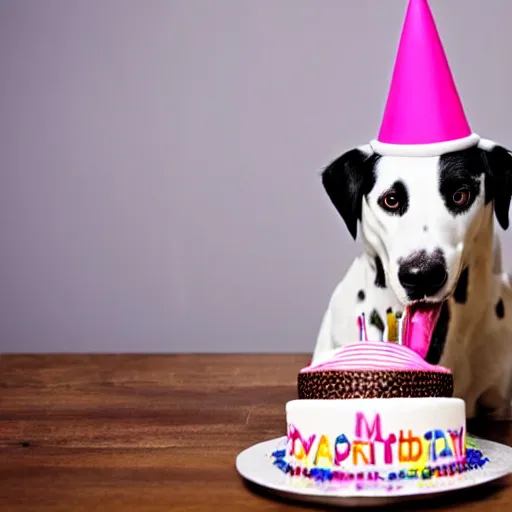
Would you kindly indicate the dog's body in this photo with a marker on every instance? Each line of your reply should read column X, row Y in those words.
column 451, row 233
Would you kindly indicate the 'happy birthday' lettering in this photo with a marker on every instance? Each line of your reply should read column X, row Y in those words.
column 370, row 445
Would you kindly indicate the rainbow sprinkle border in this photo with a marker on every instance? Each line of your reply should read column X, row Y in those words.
column 474, row 460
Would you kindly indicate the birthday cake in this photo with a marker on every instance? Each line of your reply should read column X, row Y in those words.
column 375, row 439
column 376, row 410
column 375, row 404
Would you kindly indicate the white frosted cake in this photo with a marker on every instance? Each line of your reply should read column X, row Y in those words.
column 365, row 434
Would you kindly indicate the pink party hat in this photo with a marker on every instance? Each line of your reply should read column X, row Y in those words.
column 424, row 115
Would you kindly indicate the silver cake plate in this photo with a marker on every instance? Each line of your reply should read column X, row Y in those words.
column 256, row 466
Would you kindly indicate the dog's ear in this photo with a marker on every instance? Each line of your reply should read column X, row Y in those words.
column 498, row 182
column 346, row 180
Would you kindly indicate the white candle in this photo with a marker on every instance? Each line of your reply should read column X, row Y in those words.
column 400, row 318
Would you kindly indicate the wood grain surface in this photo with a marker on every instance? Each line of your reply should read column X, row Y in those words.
column 133, row 432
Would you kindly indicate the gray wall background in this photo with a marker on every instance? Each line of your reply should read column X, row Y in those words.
column 160, row 160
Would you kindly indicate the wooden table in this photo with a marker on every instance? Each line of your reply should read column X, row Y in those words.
column 132, row 432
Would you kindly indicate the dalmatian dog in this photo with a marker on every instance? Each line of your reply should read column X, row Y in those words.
column 427, row 226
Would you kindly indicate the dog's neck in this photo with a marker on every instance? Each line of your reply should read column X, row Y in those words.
column 467, row 305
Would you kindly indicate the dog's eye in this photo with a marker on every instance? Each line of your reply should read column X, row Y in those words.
column 390, row 202
column 394, row 200
column 461, row 197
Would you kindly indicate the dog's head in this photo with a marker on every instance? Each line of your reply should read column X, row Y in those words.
column 420, row 215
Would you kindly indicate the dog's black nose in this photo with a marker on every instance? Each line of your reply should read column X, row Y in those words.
column 421, row 275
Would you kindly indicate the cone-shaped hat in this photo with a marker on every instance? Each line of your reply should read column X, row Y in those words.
column 424, row 115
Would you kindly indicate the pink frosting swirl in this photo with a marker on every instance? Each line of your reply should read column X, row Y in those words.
column 375, row 355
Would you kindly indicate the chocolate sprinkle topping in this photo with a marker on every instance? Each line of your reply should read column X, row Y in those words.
column 338, row 384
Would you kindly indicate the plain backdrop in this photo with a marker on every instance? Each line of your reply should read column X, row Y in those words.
column 160, row 161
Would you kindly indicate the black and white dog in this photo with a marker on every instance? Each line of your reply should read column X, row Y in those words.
column 427, row 226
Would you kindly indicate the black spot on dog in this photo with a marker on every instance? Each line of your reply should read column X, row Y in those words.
column 425, row 228
column 347, row 180
column 360, row 295
column 500, row 309
column 460, row 174
column 438, row 340
column 376, row 320
column 25, row 444
column 400, row 197
column 498, row 182
column 461, row 290
column 380, row 277
column 464, row 169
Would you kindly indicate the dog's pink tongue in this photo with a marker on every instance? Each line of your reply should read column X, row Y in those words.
column 420, row 320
